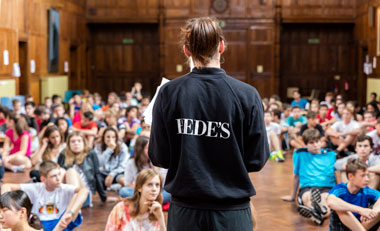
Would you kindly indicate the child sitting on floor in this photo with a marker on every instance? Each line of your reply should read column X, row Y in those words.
column 314, row 172
column 350, row 201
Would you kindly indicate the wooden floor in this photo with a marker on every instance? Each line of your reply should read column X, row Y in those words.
column 273, row 214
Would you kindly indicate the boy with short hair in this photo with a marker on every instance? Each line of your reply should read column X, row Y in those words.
column 56, row 204
column 313, row 169
column 375, row 135
column 350, row 201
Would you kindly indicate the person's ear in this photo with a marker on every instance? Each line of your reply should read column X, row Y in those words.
column 221, row 47
column 43, row 179
column 186, row 51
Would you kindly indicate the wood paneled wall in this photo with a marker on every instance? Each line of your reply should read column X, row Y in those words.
column 27, row 21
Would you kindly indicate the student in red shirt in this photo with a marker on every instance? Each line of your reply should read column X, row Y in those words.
column 87, row 126
column 325, row 119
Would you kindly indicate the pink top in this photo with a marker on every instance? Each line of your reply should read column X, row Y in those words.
column 17, row 143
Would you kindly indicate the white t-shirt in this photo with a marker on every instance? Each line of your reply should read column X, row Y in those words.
column 48, row 205
column 273, row 127
column 341, row 127
column 376, row 141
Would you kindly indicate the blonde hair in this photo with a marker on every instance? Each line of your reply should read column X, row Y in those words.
column 70, row 157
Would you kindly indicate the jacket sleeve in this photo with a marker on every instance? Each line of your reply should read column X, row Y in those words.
column 61, row 160
column 98, row 178
column 159, row 147
column 256, row 148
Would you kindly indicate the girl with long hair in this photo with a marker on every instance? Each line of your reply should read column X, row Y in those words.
column 17, row 144
column 78, row 156
column 16, row 212
column 63, row 127
column 111, row 153
column 142, row 211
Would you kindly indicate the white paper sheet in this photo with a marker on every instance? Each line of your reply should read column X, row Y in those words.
column 148, row 113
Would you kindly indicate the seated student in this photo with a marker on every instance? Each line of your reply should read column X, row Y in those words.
column 111, row 117
column 75, row 104
column 352, row 106
column 56, row 204
column 63, row 127
column 78, row 156
column 29, row 112
column 17, row 144
column 298, row 101
column 136, row 164
column 314, row 106
column 88, row 127
column 43, row 117
column 112, row 155
column 59, row 111
column 313, row 170
column 296, row 120
column 56, row 99
column 17, row 107
column 343, row 133
column 375, row 135
column 324, row 118
column 48, row 102
column 16, row 212
column 369, row 122
column 350, row 201
column 312, row 122
column 131, row 122
column 273, row 135
column 338, row 111
column 363, row 148
column 141, row 211
column 51, row 146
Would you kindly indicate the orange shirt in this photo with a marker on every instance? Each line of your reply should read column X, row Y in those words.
column 78, row 125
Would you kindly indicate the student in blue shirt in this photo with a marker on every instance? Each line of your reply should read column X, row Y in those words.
column 313, row 169
column 298, row 101
column 351, row 201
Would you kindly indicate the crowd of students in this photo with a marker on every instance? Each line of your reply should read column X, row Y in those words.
column 88, row 146
column 336, row 162
column 74, row 150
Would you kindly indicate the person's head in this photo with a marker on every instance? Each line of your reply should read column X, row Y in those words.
column 53, row 134
column 351, row 105
column 373, row 96
column 87, row 118
column 111, row 117
column 86, row 107
column 112, row 98
column 58, row 110
column 357, row 172
column 16, row 210
column 267, row 117
column 329, row 96
column 48, row 102
column 296, row 95
column 372, row 106
column 287, row 109
column 323, row 110
column 132, row 112
column 3, row 112
column 29, row 108
column 276, row 115
column 141, row 152
column 274, row 98
column 314, row 107
column 63, row 126
column 363, row 146
column 312, row 119
column 17, row 123
column 340, row 108
column 339, row 99
column 56, row 99
column 369, row 116
column 16, row 103
column 76, row 148
column 128, row 96
column 50, row 173
column 77, row 99
column 90, row 99
column 145, row 101
column 148, row 187
column 311, row 137
column 347, row 115
column 29, row 98
column 296, row 112
column 273, row 106
column 115, row 106
column 203, row 40
column 42, row 112
column 98, row 98
column 111, row 135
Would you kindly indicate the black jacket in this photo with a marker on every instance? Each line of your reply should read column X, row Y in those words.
column 90, row 167
column 208, row 130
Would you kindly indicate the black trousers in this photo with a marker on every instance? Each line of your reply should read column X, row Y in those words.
column 189, row 219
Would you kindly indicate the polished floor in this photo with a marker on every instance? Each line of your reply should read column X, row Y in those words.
column 273, row 214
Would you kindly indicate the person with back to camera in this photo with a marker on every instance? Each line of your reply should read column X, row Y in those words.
column 16, row 212
column 208, row 129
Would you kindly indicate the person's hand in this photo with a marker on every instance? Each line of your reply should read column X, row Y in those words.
column 155, row 208
column 368, row 214
column 65, row 220
column 108, row 181
column 45, row 141
column 71, row 101
column 287, row 198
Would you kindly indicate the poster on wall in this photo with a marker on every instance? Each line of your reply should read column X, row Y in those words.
column 53, row 41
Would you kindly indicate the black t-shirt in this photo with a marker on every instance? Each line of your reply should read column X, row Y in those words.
column 208, row 129
column 318, row 127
